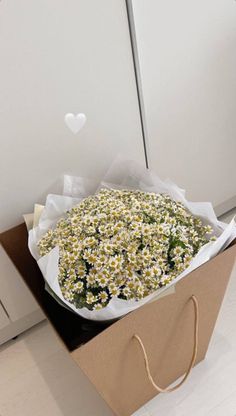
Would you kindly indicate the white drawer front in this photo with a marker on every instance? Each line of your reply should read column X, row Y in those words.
column 14, row 294
column 4, row 319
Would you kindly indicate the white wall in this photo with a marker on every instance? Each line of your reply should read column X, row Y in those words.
column 187, row 57
column 59, row 57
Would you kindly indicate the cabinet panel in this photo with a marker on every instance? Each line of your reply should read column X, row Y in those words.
column 187, row 61
column 59, row 57
column 4, row 320
column 14, row 294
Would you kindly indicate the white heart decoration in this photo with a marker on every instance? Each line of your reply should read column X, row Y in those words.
column 75, row 122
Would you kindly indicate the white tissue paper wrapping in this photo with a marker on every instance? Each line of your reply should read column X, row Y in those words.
column 123, row 174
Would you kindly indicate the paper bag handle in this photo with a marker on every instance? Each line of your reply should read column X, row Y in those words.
column 193, row 359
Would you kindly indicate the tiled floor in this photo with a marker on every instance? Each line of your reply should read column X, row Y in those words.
column 38, row 377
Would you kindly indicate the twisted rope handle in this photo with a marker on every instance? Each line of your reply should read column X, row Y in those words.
column 193, row 359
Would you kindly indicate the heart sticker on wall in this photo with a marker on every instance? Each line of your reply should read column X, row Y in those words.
column 75, row 122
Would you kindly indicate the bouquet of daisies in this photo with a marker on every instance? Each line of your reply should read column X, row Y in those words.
column 108, row 253
column 124, row 244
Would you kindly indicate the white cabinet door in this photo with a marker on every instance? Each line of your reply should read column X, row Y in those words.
column 18, row 309
column 4, row 319
column 59, row 57
column 14, row 295
column 187, row 58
